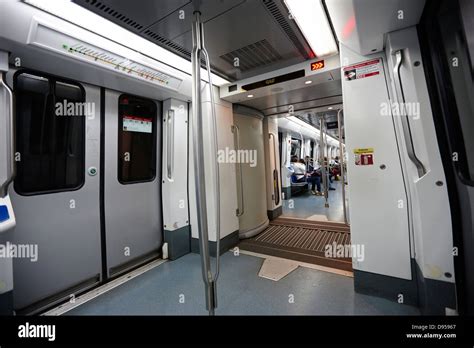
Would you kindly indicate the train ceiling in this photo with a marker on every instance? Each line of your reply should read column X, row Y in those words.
column 259, row 33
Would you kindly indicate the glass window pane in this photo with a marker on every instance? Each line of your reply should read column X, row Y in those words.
column 51, row 145
column 137, row 139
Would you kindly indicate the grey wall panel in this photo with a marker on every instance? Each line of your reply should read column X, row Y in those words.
column 68, row 239
column 254, row 218
column 133, row 213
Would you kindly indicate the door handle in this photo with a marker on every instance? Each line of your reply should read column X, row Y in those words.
column 170, row 144
column 404, row 119
column 341, row 164
column 276, row 189
column 11, row 139
column 240, row 211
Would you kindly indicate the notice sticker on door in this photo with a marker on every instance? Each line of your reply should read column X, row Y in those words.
column 137, row 124
column 364, row 156
column 362, row 70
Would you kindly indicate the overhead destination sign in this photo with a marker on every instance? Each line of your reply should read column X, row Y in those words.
column 274, row 80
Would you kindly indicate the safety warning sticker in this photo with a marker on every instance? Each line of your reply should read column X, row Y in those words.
column 137, row 124
column 362, row 70
column 364, row 156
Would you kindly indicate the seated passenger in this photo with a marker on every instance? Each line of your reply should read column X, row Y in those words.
column 299, row 171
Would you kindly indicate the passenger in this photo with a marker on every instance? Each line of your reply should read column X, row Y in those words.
column 336, row 168
column 299, row 170
column 309, row 162
column 314, row 178
column 329, row 175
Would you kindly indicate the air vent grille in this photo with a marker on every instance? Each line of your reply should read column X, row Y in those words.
column 252, row 56
column 121, row 19
column 168, row 43
column 110, row 12
column 285, row 25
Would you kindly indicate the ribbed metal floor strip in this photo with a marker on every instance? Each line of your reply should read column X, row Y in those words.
column 302, row 240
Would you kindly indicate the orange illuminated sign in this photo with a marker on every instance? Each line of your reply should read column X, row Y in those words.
column 317, row 65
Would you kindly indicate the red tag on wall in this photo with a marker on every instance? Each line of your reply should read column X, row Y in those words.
column 366, row 159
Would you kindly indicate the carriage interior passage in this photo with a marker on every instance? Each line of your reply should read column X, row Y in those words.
column 236, row 157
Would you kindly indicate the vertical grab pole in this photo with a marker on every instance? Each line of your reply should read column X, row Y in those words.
column 217, row 184
column 328, row 182
column 321, row 159
column 199, row 174
column 341, row 163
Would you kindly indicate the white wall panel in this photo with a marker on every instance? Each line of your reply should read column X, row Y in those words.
column 228, row 192
column 175, row 158
column 432, row 230
column 377, row 222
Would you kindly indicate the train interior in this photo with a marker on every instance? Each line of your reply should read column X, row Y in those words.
column 237, row 157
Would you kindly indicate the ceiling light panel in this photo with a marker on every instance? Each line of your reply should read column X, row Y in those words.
column 313, row 23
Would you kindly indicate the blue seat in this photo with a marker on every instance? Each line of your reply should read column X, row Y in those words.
column 4, row 215
column 298, row 182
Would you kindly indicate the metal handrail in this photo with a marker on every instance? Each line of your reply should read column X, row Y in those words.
column 341, row 163
column 237, row 133
column 11, row 140
column 407, row 136
column 199, row 175
column 326, row 204
column 275, row 171
column 170, row 144
column 217, row 185
column 405, row 123
column 321, row 159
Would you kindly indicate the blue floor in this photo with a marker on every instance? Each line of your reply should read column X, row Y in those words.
column 240, row 292
column 305, row 205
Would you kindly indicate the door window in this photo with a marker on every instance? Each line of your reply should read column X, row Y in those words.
column 136, row 140
column 50, row 134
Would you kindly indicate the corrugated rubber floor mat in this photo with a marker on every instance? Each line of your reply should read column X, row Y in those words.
column 321, row 243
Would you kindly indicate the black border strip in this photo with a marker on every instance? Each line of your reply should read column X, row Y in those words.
column 154, row 134
column 103, row 237
column 427, row 30
column 326, row 11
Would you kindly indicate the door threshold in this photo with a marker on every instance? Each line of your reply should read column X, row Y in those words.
column 345, row 273
column 92, row 294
